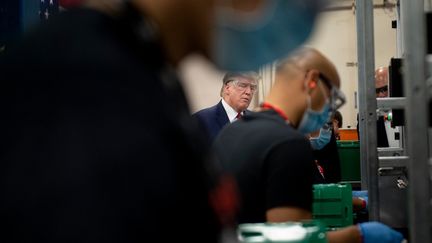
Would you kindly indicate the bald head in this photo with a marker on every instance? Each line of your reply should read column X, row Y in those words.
column 304, row 81
column 381, row 82
column 310, row 59
column 381, row 77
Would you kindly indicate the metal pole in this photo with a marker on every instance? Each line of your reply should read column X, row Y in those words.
column 368, row 104
column 417, row 121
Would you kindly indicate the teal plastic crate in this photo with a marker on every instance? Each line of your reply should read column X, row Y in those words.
column 288, row 232
column 332, row 204
column 349, row 155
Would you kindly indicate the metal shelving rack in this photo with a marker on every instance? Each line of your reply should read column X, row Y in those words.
column 416, row 149
column 367, row 104
column 417, row 114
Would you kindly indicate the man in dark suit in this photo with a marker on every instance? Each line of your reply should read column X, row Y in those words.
column 237, row 93
column 381, row 91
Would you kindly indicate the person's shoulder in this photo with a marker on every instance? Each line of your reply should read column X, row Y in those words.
column 266, row 126
column 206, row 111
column 270, row 121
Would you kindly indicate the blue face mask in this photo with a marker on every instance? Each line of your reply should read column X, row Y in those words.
column 313, row 120
column 247, row 41
column 322, row 140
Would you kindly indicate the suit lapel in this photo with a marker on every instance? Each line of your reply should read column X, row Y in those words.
column 221, row 115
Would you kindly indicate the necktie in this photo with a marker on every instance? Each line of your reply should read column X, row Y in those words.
column 239, row 115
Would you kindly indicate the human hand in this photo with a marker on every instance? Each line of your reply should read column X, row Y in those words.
column 360, row 198
column 375, row 232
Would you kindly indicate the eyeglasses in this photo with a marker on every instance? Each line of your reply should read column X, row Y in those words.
column 337, row 98
column 382, row 89
column 242, row 86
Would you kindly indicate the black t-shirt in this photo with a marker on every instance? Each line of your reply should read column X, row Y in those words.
column 271, row 161
column 328, row 158
column 97, row 144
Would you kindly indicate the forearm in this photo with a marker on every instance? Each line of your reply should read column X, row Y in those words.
column 348, row 234
column 284, row 214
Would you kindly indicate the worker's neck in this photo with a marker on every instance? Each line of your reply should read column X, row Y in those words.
column 287, row 107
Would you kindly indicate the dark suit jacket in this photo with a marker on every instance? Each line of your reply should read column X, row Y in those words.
column 213, row 119
column 382, row 141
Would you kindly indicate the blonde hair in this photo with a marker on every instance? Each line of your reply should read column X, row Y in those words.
column 231, row 76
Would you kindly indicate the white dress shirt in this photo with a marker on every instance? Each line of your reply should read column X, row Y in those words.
column 231, row 113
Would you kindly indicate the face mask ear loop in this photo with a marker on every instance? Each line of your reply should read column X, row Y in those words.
column 308, row 107
column 309, row 102
column 327, row 99
column 308, row 90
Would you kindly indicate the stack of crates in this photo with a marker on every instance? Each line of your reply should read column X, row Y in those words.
column 289, row 232
column 332, row 204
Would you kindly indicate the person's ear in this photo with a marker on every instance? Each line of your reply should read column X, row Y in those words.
column 227, row 87
column 312, row 78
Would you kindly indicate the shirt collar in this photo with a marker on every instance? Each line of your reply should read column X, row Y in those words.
column 231, row 113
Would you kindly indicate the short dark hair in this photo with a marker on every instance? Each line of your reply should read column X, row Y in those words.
column 338, row 117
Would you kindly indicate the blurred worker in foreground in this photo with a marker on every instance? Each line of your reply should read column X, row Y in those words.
column 270, row 157
column 237, row 93
column 98, row 144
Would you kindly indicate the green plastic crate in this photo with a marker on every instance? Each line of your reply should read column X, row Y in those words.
column 332, row 204
column 289, row 232
column 349, row 155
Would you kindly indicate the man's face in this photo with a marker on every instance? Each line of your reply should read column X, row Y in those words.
column 239, row 93
column 381, row 83
column 335, row 127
